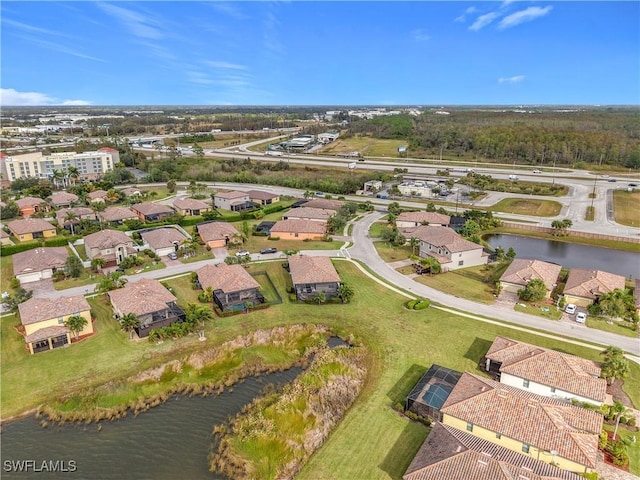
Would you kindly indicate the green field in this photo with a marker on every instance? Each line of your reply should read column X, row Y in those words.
column 367, row 146
column 528, row 206
column 626, row 207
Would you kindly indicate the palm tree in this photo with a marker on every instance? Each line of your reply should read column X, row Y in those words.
column 129, row 322
column 614, row 364
column 617, row 411
column 73, row 173
column 97, row 264
column 113, row 195
column 345, row 292
column 76, row 323
column 70, row 217
column 55, row 176
column 414, row 242
column 198, row 314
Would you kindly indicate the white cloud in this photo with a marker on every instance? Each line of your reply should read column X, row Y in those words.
column 227, row 65
column 32, row 29
column 526, row 15
column 9, row 96
column 420, row 35
column 463, row 18
column 228, row 9
column 138, row 24
column 514, row 79
column 483, row 20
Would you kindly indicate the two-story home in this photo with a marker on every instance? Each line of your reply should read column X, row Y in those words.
column 218, row 234
column 263, row 198
column 63, row 199
column 297, row 229
column 152, row 212
column 522, row 270
column 112, row 246
column 190, row 206
column 545, row 372
column 31, row 229
column 450, row 249
column 116, row 215
column 74, row 215
column 163, row 241
column 235, row 201
column 584, row 286
column 39, row 263
column 44, row 320
column 30, row 205
column 232, row 286
column 416, row 219
column 312, row 275
column 150, row 302
column 308, row 213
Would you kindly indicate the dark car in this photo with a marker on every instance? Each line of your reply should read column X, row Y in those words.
column 269, row 250
column 612, row 180
column 633, row 184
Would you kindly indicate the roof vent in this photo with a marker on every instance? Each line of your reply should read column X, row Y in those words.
column 482, row 462
column 458, row 448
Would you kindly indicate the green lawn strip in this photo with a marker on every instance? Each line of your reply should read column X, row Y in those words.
column 87, row 277
column 183, row 290
column 590, row 214
column 6, row 273
column 528, row 206
column 389, row 253
column 376, row 229
column 626, row 206
column 82, row 252
column 633, row 450
column 619, row 327
column 551, row 312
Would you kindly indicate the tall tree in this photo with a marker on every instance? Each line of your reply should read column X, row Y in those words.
column 534, row 291
column 73, row 266
column 70, row 216
column 614, row 366
column 76, row 324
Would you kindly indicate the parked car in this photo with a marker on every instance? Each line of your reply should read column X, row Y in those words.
column 269, row 250
column 537, row 171
column 612, row 180
column 581, row 317
column 633, row 184
column 243, row 253
column 570, row 309
column 172, row 256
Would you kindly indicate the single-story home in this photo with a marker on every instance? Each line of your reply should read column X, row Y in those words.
column 312, row 275
column 307, row 213
column 5, row 238
column 43, row 321
column 232, row 286
column 150, row 302
column 324, row 203
column 296, row 229
column 163, row 241
column 218, row 234
column 449, row 248
column 131, row 191
column 264, row 227
column 63, row 199
column 152, row 212
column 31, row 229
column 30, row 205
column 415, row 219
column 97, row 196
column 584, row 286
column 430, row 392
column 522, row 270
column 190, row 206
column 117, row 215
column 545, row 372
column 235, row 201
column 263, row 198
column 112, row 246
column 68, row 216
column 39, row 263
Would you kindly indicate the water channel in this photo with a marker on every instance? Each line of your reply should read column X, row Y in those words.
column 570, row 255
column 169, row 442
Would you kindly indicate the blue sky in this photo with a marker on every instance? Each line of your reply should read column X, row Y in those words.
column 320, row 53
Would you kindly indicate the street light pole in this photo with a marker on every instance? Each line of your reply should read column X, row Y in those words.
column 593, row 194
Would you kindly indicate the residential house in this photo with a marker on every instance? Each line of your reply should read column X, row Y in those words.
column 131, row 191
column 432, row 390
column 150, row 302
column 307, row 213
column 415, row 219
column 77, row 215
column 63, row 199
column 152, row 212
column 116, row 215
column 31, row 229
column 541, row 427
column 235, row 201
column 97, row 196
column 521, row 271
column 39, row 263
column 218, row 234
column 372, row 186
column 313, row 275
column 263, row 198
column 30, row 205
column 112, row 246
column 451, row 454
column 190, row 206
column 296, row 229
column 232, row 286
column 324, row 203
column 43, row 321
column 163, row 241
column 545, row 372
column 584, row 286
column 5, row 239
column 449, row 248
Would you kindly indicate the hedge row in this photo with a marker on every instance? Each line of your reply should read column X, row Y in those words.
column 7, row 250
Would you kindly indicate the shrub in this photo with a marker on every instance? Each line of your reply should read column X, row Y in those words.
column 631, row 421
column 15, row 283
column 602, row 440
column 411, row 303
column 422, row 304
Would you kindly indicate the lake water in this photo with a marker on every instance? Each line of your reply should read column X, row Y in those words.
column 570, row 255
column 168, row 442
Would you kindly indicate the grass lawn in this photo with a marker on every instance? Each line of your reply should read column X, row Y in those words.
column 626, row 207
column 461, row 285
column 531, row 309
column 182, row 289
column 148, row 265
column 374, row 147
column 590, row 214
column 634, row 448
column 6, row 273
column 86, row 278
column 621, row 328
column 528, row 206
column 389, row 253
column 82, row 252
column 376, row 229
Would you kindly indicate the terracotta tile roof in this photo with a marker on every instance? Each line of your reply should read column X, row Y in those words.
column 451, row 454
column 587, row 283
column 29, row 225
column 542, row 422
column 421, row 217
column 108, row 149
column 260, row 195
column 522, row 270
column 47, row 332
column 107, row 239
column 308, row 213
column 129, row 191
column 444, row 237
column 150, row 208
column 117, row 214
column 548, row 367
column 216, row 231
column 29, row 202
column 63, row 198
column 228, row 278
column 39, row 259
column 36, row 310
column 324, row 203
column 309, row 269
column 142, row 297
column 80, row 212
column 231, row 195
column 3, row 234
column 163, row 237
column 190, row 204
column 296, row 225
column 97, row 194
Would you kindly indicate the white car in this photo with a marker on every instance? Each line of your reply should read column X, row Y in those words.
column 537, row 171
column 581, row 317
column 570, row 309
column 243, row 253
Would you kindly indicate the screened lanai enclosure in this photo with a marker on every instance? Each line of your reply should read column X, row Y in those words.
column 431, row 391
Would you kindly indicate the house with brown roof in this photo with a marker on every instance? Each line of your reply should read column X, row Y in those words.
column 521, row 271
column 31, row 229
column 131, row 191
column 235, row 201
column 43, row 321
column 584, row 286
column 452, row 454
column 324, row 203
column 297, row 229
column 77, row 215
column 313, row 275
column 39, row 263
column 152, row 212
column 232, row 286
column 545, row 372
column 150, row 302
column 63, row 199
column 163, row 241
column 307, row 213
column 97, row 196
column 5, row 238
column 30, row 205
column 415, row 219
column 449, row 248
column 525, row 422
column 218, row 234
column 263, row 198
column 117, row 215
column 191, row 206
column 112, row 246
